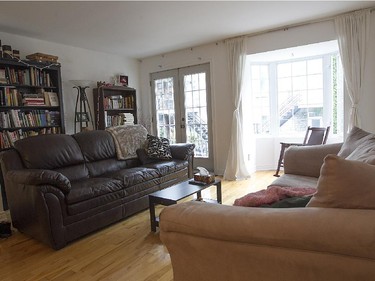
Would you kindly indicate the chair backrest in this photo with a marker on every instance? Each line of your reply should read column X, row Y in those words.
column 316, row 135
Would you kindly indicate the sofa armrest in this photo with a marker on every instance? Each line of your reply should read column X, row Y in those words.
column 307, row 160
column 228, row 243
column 39, row 177
column 182, row 150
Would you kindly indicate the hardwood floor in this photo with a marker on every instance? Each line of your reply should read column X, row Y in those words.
column 124, row 251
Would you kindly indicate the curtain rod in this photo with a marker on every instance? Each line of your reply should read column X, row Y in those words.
column 286, row 27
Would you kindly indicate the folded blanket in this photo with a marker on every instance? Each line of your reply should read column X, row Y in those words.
column 290, row 202
column 271, row 195
column 128, row 139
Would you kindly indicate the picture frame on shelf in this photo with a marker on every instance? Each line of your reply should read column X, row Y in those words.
column 123, row 80
column 53, row 98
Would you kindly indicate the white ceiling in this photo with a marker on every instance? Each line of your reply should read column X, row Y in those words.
column 140, row 29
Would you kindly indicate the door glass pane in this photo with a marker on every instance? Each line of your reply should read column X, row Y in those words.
column 165, row 111
column 196, row 113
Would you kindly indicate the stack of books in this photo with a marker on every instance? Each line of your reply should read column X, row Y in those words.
column 128, row 119
column 33, row 99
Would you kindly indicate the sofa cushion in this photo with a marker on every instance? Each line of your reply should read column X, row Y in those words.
column 49, row 151
column 158, row 147
column 53, row 152
column 295, row 181
column 355, row 138
column 165, row 167
column 92, row 187
column 345, row 184
column 94, row 197
column 133, row 176
column 104, row 147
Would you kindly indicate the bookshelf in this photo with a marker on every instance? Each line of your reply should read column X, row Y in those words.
column 31, row 103
column 31, row 100
column 114, row 106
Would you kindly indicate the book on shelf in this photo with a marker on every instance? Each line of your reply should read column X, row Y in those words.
column 10, row 97
column 16, row 118
column 46, row 99
column 129, row 102
column 3, row 77
column 114, row 102
column 119, row 119
column 8, row 138
column 5, row 120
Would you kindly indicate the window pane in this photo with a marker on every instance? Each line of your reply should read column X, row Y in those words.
column 315, row 81
column 260, row 99
column 284, row 70
column 301, row 102
column 164, row 97
column 196, row 114
column 299, row 68
column 315, row 66
column 284, row 84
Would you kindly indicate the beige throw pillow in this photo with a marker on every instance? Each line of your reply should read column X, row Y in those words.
column 365, row 152
column 345, row 184
column 355, row 138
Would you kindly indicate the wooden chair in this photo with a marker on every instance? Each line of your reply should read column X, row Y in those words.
column 314, row 136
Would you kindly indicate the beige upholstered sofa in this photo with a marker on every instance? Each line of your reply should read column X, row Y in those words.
column 333, row 238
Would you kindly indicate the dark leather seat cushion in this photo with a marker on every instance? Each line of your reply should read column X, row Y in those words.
column 167, row 166
column 92, row 187
column 133, row 176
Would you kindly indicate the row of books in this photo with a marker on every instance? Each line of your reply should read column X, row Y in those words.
column 16, row 118
column 119, row 102
column 7, row 138
column 119, row 119
column 29, row 77
column 13, row 97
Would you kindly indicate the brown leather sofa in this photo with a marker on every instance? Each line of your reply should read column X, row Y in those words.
column 61, row 187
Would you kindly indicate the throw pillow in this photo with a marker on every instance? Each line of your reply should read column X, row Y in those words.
column 345, row 184
column 355, row 138
column 158, row 147
column 365, row 152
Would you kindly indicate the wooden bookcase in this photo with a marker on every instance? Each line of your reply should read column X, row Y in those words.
column 115, row 105
column 31, row 101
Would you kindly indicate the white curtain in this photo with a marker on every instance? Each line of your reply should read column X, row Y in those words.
column 353, row 33
column 236, row 166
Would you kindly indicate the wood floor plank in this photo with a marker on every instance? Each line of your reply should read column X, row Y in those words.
column 126, row 250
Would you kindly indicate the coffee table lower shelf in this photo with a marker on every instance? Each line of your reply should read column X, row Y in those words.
column 171, row 195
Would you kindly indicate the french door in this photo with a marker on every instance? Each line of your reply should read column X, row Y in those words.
column 182, row 109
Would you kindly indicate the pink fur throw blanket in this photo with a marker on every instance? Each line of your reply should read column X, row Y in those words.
column 271, row 195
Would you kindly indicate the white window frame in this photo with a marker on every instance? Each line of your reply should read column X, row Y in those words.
column 273, row 93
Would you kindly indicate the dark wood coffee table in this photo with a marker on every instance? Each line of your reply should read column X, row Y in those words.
column 171, row 195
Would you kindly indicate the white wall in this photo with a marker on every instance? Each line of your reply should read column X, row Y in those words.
column 267, row 150
column 76, row 64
